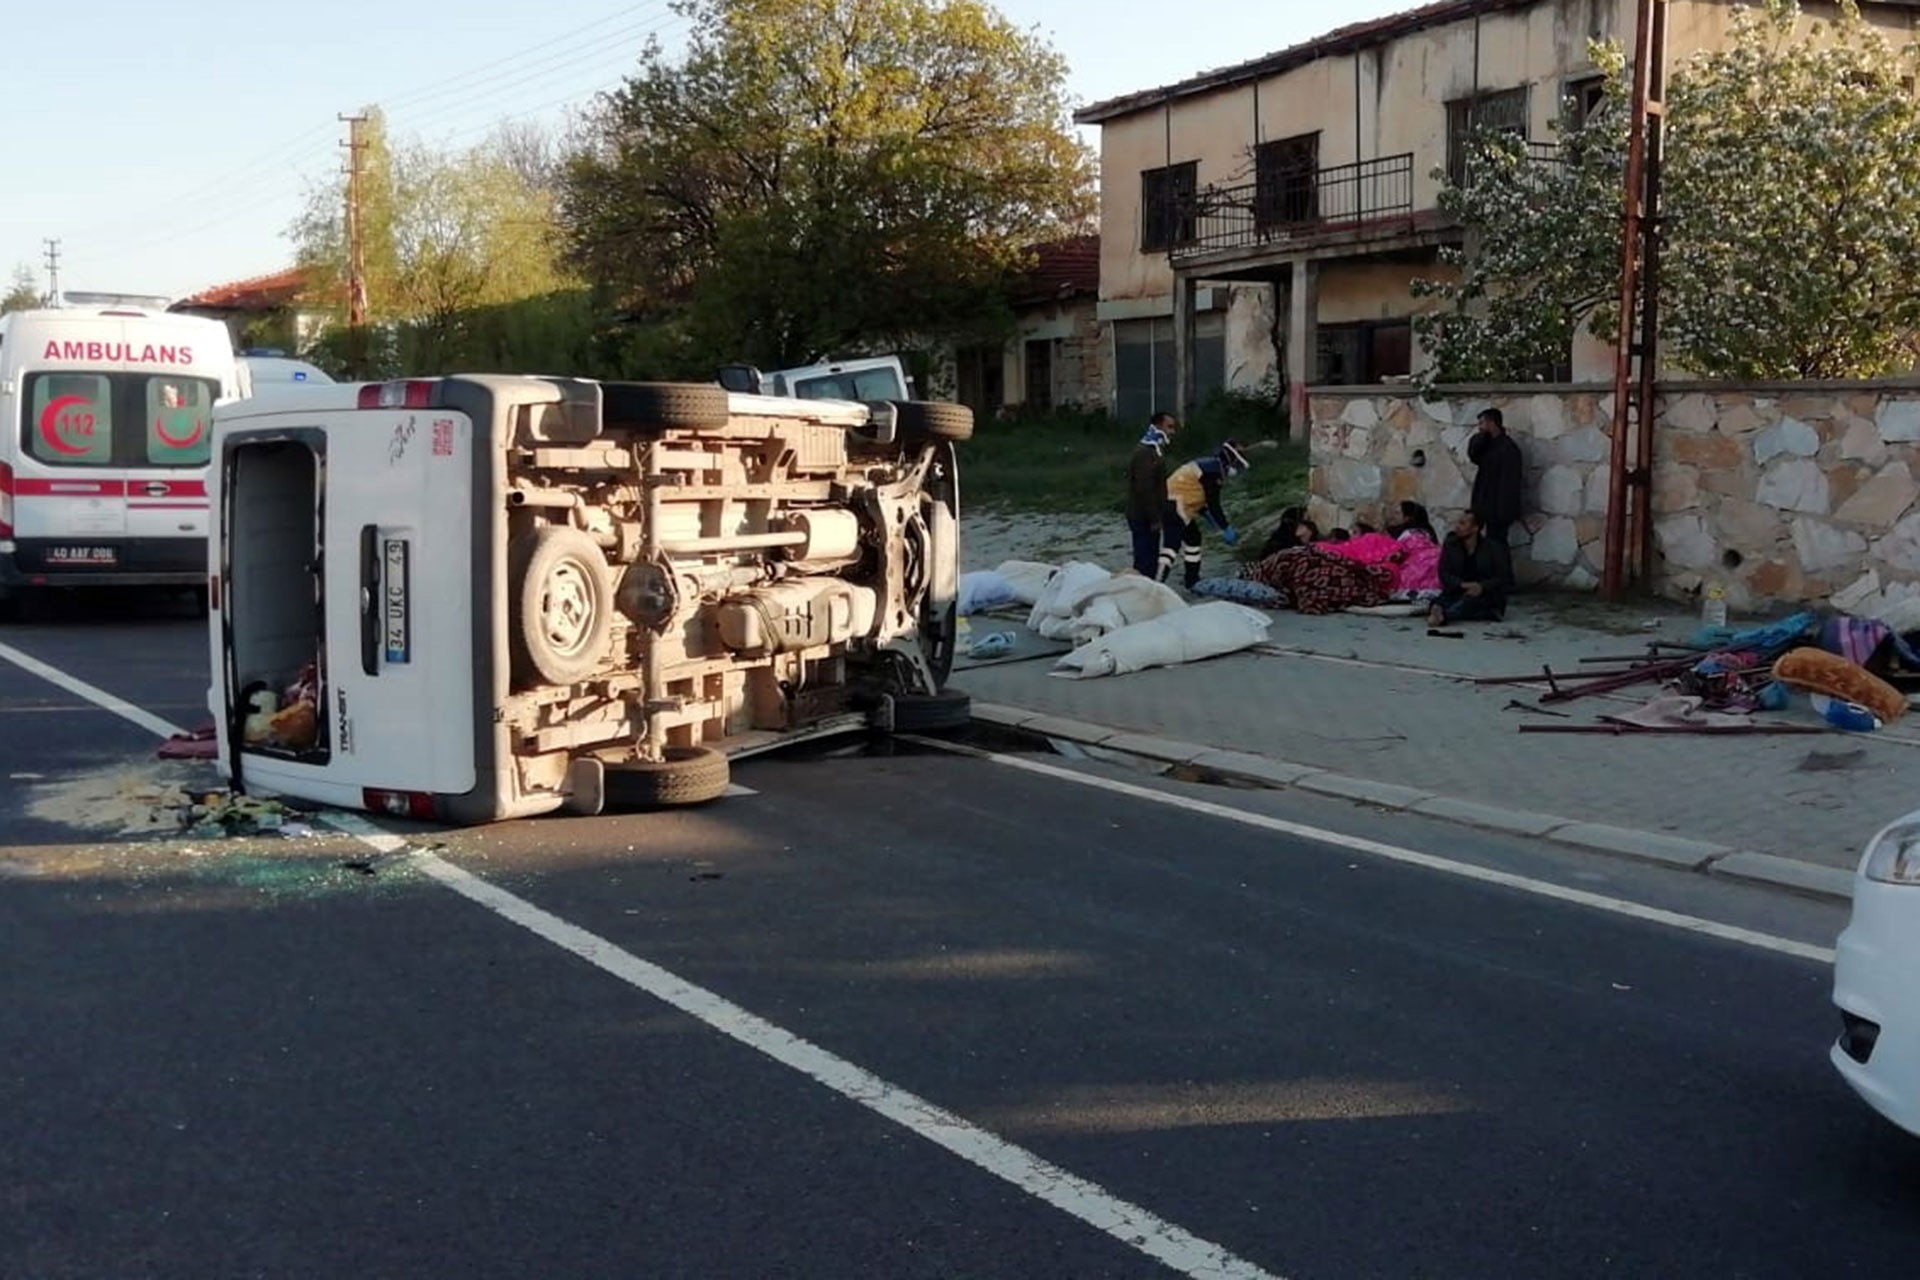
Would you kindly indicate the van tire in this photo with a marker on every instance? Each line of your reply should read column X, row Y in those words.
column 689, row 775
column 933, row 420
column 653, row 407
column 564, row 606
column 941, row 712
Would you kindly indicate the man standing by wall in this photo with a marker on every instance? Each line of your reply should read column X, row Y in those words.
column 1147, row 492
column 1501, row 474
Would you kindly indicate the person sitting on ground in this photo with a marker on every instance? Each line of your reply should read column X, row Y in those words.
column 1286, row 532
column 1476, row 575
column 1193, row 491
column 1413, row 519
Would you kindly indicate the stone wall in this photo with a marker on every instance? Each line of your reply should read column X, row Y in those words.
column 1780, row 494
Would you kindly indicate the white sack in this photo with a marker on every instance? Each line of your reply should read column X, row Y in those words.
column 1027, row 577
column 1119, row 602
column 983, row 590
column 1055, row 603
column 1204, row 631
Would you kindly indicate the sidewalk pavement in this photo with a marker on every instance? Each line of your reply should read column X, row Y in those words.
column 1376, row 711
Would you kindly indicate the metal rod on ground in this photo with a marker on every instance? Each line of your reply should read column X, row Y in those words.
column 1703, row 730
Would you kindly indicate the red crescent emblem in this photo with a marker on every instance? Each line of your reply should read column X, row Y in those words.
column 175, row 442
column 50, row 424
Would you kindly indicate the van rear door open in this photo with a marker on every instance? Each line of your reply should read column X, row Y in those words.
column 347, row 564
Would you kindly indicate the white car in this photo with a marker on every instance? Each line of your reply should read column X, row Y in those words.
column 1874, row 977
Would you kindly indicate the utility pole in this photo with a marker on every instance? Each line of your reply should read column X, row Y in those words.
column 53, row 272
column 356, row 145
column 1637, row 357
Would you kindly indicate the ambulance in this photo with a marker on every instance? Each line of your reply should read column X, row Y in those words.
column 482, row 597
column 108, row 426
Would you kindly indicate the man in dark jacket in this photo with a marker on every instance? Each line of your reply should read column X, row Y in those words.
column 1476, row 575
column 1147, row 492
column 1501, row 472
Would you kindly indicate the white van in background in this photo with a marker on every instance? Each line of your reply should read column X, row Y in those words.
column 867, row 380
column 262, row 367
column 106, row 426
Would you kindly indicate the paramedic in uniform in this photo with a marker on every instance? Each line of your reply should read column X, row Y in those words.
column 1193, row 492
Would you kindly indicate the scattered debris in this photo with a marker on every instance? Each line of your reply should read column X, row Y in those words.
column 159, row 801
column 1833, row 761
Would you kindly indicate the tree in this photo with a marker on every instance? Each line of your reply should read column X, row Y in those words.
column 1543, row 254
column 24, row 294
column 816, row 176
column 443, row 232
column 1794, row 171
column 1790, row 194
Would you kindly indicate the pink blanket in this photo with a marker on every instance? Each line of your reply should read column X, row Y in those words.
column 1419, row 566
column 1368, row 548
column 1413, row 557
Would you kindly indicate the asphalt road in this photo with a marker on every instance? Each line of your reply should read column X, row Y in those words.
column 247, row 1059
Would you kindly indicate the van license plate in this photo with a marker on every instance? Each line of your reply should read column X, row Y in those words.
column 92, row 557
column 397, row 607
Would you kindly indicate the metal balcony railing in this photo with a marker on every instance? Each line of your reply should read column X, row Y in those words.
column 1293, row 206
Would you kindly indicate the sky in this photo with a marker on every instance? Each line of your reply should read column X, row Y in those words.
column 168, row 146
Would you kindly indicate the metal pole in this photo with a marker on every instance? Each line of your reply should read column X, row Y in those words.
column 1624, row 390
column 1655, row 108
column 53, row 273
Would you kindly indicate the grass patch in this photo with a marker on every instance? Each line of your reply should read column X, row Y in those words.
column 1077, row 462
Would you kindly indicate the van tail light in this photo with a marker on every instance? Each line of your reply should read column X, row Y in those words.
column 213, row 593
column 399, row 804
column 415, row 394
column 6, row 501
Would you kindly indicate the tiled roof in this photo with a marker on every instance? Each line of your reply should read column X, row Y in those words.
column 1348, row 39
column 1060, row 269
column 261, row 293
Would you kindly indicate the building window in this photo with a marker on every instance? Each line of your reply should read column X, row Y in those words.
column 1582, row 100
column 1039, row 374
column 1166, row 205
column 1504, row 112
column 1143, row 366
column 980, row 380
column 1286, row 181
column 1356, row 355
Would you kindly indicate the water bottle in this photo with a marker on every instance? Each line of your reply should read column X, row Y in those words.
column 1713, row 606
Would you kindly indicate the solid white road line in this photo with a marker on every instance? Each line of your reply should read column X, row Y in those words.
column 98, row 697
column 1132, row 1225
column 1411, row 857
column 1092, row 1204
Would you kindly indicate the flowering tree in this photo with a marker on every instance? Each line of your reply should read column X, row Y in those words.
column 1790, row 205
column 1543, row 251
column 1793, row 225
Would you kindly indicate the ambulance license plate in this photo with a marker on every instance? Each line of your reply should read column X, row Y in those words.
column 82, row 557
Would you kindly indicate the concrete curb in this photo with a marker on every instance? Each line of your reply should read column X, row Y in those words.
column 1697, row 856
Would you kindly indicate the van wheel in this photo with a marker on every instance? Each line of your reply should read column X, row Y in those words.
column 689, row 775
column 565, row 606
column 933, row 420
column 941, row 712
column 652, row 407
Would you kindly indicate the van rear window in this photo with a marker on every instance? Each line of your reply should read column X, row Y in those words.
column 117, row 419
column 861, row 384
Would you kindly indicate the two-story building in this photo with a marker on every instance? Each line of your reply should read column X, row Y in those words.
column 1268, row 219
